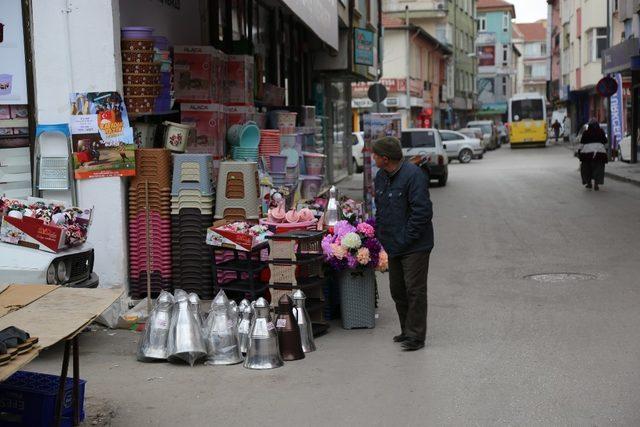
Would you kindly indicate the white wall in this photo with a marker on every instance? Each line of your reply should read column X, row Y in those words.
column 395, row 51
column 181, row 26
column 76, row 48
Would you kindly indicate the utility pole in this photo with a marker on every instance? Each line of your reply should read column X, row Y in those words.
column 408, row 82
column 609, row 130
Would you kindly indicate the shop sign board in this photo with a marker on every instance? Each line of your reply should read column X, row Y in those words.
column 13, row 78
column 363, row 46
column 103, row 144
column 486, row 55
column 320, row 16
column 617, row 119
column 360, row 89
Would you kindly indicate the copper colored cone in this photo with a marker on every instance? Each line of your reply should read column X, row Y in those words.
column 288, row 330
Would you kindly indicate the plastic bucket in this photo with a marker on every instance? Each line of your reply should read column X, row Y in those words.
column 310, row 186
column 176, row 136
column 246, row 135
column 313, row 163
column 137, row 33
column 278, row 163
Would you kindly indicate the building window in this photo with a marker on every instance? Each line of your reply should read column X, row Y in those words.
column 596, row 43
column 505, row 22
column 543, row 48
column 527, row 71
column 482, row 23
column 504, row 86
column 505, row 53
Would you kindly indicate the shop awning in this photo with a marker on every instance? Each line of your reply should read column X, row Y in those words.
column 320, row 16
column 618, row 58
column 492, row 108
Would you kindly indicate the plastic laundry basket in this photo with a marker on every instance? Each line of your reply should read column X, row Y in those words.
column 358, row 298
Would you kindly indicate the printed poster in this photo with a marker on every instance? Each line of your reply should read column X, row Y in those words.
column 102, row 138
column 13, row 78
column 376, row 125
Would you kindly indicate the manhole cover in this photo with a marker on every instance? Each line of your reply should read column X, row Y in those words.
column 560, row 277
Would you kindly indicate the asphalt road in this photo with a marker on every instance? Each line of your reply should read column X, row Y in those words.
column 502, row 349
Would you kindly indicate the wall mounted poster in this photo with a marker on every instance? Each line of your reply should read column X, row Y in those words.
column 102, row 139
column 13, row 80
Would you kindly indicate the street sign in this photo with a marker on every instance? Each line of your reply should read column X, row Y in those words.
column 377, row 92
column 607, row 86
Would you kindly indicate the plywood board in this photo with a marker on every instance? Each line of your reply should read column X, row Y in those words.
column 14, row 297
column 60, row 314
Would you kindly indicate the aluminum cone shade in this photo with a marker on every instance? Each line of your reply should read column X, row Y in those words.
column 185, row 342
column 263, row 351
column 304, row 322
column 222, row 337
column 153, row 342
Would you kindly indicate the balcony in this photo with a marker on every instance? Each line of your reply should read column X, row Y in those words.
column 417, row 8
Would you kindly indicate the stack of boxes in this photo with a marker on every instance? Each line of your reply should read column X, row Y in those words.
column 192, row 196
column 153, row 179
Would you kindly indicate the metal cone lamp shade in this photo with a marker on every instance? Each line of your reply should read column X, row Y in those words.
column 263, row 351
column 234, row 313
column 194, row 305
column 153, row 342
column 244, row 328
column 185, row 342
column 288, row 330
column 304, row 322
column 222, row 337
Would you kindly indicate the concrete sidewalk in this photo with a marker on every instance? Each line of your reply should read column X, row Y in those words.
column 621, row 171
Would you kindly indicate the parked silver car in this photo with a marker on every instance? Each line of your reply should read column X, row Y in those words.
column 461, row 147
column 489, row 133
column 427, row 143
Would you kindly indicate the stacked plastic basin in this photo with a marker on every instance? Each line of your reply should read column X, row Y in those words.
column 153, row 178
column 192, row 199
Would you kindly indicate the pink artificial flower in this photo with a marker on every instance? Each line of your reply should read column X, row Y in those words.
column 366, row 229
column 343, row 227
column 363, row 256
column 326, row 245
column 338, row 251
column 383, row 261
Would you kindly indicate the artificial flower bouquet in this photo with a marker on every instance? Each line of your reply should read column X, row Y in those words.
column 240, row 235
column 352, row 246
column 43, row 224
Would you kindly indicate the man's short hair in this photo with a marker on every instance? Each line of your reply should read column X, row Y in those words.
column 388, row 146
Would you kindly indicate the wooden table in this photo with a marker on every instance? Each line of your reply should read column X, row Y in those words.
column 53, row 314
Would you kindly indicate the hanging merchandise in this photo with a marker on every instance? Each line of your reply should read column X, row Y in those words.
column 263, row 351
column 222, row 335
column 153, row 343
column 288, row 330
column 185, row 342
column 102, row 139
column 304, row 322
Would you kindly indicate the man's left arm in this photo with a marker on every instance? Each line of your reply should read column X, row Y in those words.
column 420, row 207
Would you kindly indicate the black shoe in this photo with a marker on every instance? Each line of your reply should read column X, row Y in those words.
column 588, row 186
column 412, row 344
column 400, row 338
column 596, row 187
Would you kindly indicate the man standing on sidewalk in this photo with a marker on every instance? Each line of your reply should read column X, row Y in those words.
column 403, row 225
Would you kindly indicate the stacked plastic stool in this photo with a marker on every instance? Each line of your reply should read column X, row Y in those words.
column 192, row 197
column 150, row 188
column 238, row 196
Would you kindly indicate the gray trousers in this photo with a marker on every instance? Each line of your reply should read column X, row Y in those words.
column 408, row 284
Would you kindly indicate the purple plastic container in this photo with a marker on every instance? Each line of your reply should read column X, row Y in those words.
column 162, row 104
column 136, row 33
column 278, row 164
column 161, row 42
column 165, row 79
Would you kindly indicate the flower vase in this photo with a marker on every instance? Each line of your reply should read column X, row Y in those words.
column 358, row 298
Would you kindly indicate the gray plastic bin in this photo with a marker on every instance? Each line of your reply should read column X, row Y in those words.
column 358, row 298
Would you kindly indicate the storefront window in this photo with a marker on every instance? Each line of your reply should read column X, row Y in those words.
column 341, row 130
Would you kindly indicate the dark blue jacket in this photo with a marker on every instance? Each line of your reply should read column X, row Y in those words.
column 403, row 211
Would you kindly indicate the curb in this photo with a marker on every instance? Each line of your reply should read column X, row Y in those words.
column 622, row 178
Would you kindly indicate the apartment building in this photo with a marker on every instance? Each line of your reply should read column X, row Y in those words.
column 452, row 23
column 497, row 58
column 533, row 44
column 582, row 43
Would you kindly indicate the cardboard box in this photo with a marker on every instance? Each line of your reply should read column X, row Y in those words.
column 232, row 240
column 211, row 129
column 238, row 114
column 194, row 79
column 34, row 233
column 239, row 83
